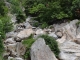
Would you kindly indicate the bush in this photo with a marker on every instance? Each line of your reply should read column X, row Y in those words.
column 3, row 8
column 17, row 8
column 52, row 44
column 48, row 11
column 28, row 42
column 1, row 38
column 41, row 25
column 7, row 24
column 20, row 18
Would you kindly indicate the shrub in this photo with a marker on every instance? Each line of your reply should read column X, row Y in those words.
column 7, row 24
column 48, row 11
column 17, row 8
column 52, row 44
column 3, row 8
column 28, row 42
column 20, row 18
column 1, row 37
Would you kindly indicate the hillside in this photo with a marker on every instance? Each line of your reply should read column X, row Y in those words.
column 39, row 30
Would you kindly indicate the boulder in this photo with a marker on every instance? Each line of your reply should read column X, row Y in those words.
column 59, row 34
column 69, row 51
column 9, row 41
column 40, row 31
column 69, row 43
column 27, row 25
column 53, row 35
column 20, row 49
column 41, row 51
column 11, row 34
column 67, row 56
column 47, row 30
column 12, row 49
column 24, row 34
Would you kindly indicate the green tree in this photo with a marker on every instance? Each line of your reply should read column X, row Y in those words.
column 51, row 10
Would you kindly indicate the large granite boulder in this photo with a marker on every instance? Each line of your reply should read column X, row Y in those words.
column 41, row 51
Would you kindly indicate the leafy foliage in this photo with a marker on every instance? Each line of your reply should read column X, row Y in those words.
column 50, row 10
column 3, row 8
column 5, row 25
column 20, row 18
column 1, row 37
column 52, row 44
column 17, row 7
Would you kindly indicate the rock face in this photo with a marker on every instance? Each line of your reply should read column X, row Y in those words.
column 40, row 51
column 69, row 44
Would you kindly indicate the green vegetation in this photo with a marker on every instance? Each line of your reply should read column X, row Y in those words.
column 3, row 8
column 17, row 7
column 41, row 25
column 28, row 42
column 52, row 44
column 20, row 18
column 50, row 11
column 5, row 25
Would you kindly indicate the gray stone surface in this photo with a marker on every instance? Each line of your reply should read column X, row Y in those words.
column 40, row 51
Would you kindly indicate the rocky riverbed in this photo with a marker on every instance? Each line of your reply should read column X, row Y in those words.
column 66, row 34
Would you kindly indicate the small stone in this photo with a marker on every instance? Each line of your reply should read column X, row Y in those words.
column 59, row 34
